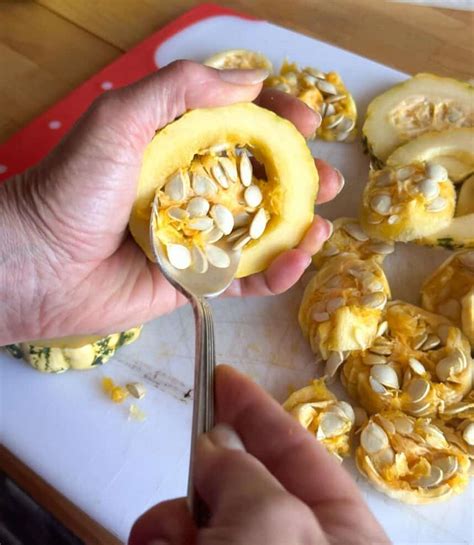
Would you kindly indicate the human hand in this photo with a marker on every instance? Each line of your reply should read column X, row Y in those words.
column 64, row 248
column 265, row 479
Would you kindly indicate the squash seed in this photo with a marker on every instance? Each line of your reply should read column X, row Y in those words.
column 201, row 224
column 177, row 187
column 136, row 389
column 245, row 170
column 197, row 207
column 443, row 332
column 326, row 87
column 382, row 328
column 242, row 219
column 436, row 172
column 200, row 263
column 381, row 349
column 404, row 173
column 355, row 231
column 347, row 410
column 346, row 125
column 403, row 425
column 178, row 255
column 334, row 98
column 237, row 233
column 385, row 375
column 243, row 241
column 373, row 438
column 314, row 72
column 217, row 257
column 334, row 122
column 437, row 205
column 468, row 434
column 253, row 196
column 229, row 168
column 220, row 176
column 383, row 178
column 341, row 136
column 329, row 250
column 223, row 218
column 376, row 386
column 381, row 204
column 176, row 213
column 418, row 389
column 259, row 222
column 417, row 409
column 320, row 316
column 416, row 366
column 394, row 218
column 376, row 300
column 433, row 479
column 448, row 366
column 448, row 465
column 203, row 186
column 382, row 248
column 330, row 425
column 373, row 359
column 213, row 235
column 386, row 424
column 429, row 188
column 334, row 304
column 335, row 360
column 431, row 342
column 419, row 340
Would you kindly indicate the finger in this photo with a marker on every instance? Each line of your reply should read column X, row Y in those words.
column 305, row 119
column 244, row 498
column 292, row 455
column 317, row 234
column 331, row 182
column 283, row 273
column 180, row 86
column 169, row 521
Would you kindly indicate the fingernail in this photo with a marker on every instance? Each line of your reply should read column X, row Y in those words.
column 309, row 260
column 342, row 181
column 224, row 436
column 330, row 228
column 243, row 77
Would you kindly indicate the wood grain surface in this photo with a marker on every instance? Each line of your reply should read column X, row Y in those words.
column 48, row 47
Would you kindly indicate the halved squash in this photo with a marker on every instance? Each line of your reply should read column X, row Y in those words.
column 208, row 147
column 81, row 352
column 452, row 148
column 423, row 103
column 458, row 234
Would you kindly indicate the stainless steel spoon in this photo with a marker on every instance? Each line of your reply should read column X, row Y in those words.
column 197, row 288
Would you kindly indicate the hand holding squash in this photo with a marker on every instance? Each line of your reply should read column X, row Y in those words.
column 65, row 248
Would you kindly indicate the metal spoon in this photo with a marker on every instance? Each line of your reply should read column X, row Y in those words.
column 197, row 288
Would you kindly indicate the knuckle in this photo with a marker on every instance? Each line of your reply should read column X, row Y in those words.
column 185, row 68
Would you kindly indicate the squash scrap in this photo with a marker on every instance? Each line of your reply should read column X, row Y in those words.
column 325, row 93
column 420, row 363
column 84, row 352
column 348, row 237
column 407, row 202
column 450, row 291
column 210, row 200
column 410, row 459
column 239, row 59
column 342, row 306
column 319, row 411
column 457, row 423
column 117, row 393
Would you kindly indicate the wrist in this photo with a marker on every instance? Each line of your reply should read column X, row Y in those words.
column 21, row 252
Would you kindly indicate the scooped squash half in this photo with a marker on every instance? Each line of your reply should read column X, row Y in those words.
column 81, row 352
column 453, row 149
column 465, row 203
column 203, row 157
column 423, row 103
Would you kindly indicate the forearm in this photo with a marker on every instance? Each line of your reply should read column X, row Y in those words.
column 20, row 250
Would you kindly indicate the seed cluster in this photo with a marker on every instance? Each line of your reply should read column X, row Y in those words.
column 325, row 93
column 210, row 209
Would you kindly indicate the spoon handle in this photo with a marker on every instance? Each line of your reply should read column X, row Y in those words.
column 203, row 406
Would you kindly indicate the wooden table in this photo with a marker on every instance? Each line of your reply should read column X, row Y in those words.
column 48, row 47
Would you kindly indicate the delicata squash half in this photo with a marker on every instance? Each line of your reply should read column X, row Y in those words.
column 200, row 170
column 411, row 459
column 421, row 104
column 83, row 352
column 322, row 414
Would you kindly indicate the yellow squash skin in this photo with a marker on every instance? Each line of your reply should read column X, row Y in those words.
column 274, row 141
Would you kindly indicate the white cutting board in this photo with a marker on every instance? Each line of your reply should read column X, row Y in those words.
column 69, row 433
